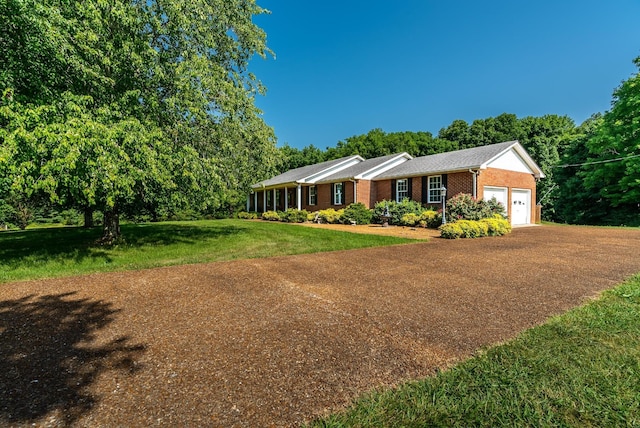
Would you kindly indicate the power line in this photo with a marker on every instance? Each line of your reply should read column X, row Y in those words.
column 596, row 162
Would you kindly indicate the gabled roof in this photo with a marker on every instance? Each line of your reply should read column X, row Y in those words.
column 309, row 173
column 460, row 160
column 368, row 169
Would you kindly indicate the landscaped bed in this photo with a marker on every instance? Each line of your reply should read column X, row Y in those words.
column 280, row 341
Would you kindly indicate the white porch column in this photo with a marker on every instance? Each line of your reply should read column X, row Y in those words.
column 355, row 188
column 248, row 202
column 286, row 199
column 264, row 200
column 275, row 203
column 255, row 202
column 299, row 196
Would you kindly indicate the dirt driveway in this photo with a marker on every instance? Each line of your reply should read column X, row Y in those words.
column 276, row 342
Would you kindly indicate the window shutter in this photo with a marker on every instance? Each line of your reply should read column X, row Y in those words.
column 333, row 193
column 393, row 190
column 410, row 188
column 444, row 183
column 425, row 190
column 344, row 193
column 306, row 195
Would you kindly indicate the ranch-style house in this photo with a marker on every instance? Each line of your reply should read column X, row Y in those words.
column 504, row 171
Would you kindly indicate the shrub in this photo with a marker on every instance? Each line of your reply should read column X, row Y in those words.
column 293, row 215
column 247, row 216
column 497, row 225
column 494, row 226
column 463, row 207
column 270, row 216
column 410, row 219
column 431, row 219
column 330, row 215
column 312, row 216
column 357, row 212
column 396, row 210
column 450, row 231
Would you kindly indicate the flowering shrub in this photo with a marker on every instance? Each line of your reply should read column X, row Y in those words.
column 396, row 210
column 494, row 226
column 270, row 216
column 463, row 207
column 410, row 219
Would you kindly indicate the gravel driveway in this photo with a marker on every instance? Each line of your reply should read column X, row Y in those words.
column 276, row 342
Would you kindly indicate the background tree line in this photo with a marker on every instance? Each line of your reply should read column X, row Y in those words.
column 592, row 170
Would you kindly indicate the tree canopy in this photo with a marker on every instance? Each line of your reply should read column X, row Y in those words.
column 129, row 105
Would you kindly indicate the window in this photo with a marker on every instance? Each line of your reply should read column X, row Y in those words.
column 402, row 189
column 337, row 194
column 313, row 195
column 435, row 183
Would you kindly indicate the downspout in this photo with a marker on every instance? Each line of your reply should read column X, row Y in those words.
column 474, row 191
column 299, row 196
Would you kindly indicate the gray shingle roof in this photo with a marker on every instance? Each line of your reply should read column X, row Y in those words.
column 450, row 161
column 301, row 173
column 360, row 168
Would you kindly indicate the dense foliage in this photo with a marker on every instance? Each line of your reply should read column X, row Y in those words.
column 129, row 106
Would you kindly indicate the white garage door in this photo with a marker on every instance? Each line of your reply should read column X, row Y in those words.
column 500, row 193
column 520, row 206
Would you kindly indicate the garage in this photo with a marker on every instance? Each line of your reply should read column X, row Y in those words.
column 520, row 206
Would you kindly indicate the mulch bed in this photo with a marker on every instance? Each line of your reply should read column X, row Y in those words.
column 277, row 342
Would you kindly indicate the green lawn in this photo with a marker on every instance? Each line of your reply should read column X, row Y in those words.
column 55, row 252
column 580, row 369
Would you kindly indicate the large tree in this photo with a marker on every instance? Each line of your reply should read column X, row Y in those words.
column 126, row 104
column 612, row 167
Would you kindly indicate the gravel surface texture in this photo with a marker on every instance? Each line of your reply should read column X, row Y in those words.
column 280, row 341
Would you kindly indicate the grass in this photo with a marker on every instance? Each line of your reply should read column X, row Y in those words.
column 580, row 369
column 56, row 252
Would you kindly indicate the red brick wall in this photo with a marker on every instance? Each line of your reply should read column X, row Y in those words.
column 459, row 182
column 510, row 180
column 364, row 192
column 383, row 190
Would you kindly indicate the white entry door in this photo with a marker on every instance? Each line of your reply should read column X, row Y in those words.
column 520, row 206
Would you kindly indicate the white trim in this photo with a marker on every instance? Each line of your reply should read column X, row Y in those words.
column 332, row 170
column 384, row 167
column 406, row 181
column 429, row 177
column 341, row 193
column 299, row 196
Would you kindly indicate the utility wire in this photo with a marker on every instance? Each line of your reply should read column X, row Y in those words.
column 595, row 162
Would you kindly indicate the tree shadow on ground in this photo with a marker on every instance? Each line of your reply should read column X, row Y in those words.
column 48, row 361
column 78, row 244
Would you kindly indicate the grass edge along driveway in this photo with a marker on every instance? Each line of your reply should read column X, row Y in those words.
column 59, row 252
column 580, row 368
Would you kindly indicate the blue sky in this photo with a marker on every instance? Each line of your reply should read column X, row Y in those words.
column 345, row 67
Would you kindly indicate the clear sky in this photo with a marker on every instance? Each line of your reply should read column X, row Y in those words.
column 344, row 67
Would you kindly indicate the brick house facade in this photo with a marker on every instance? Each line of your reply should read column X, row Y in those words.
column 503, row 170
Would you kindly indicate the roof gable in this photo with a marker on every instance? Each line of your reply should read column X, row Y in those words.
column 369, row 168
column 308, row 173
column 462, row 160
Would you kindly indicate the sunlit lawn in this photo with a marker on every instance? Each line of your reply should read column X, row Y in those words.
column 55, row 252
column 581, row 369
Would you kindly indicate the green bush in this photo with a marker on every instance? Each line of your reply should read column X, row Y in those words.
column 494, row 226
column 410, row 219
column 247, row 215
column 450, row 231
column 430, row 219
column 270, row 216
column 71, row 218
column 464, row 207
column 330, row 215
column 396, row 210
column 293, row 215
column 357, row 212
column 497, row 225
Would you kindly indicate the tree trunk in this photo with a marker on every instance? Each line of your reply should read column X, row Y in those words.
column 111, row 228
column 88, row 217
